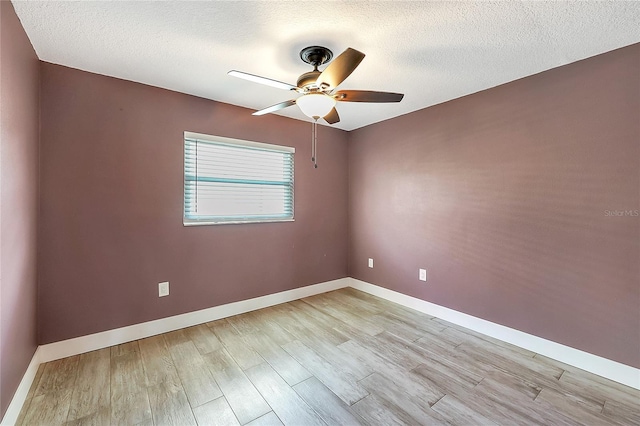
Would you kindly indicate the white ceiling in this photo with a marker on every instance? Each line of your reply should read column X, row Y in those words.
column 431, row 51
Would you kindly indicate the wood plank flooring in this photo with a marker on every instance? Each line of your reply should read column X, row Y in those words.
column 339, row 358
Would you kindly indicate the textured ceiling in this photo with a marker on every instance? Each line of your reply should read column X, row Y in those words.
column 431, row 51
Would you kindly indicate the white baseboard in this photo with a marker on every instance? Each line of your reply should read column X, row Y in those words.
column 92, row 342
column 104, row 339
column 604, row 367
column 13, row 411
column 616, row 371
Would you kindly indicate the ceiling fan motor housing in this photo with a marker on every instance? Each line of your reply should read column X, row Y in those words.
column 316, row 56
column 308, row 78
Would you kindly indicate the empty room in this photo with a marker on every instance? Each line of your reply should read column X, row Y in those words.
column 319, row 213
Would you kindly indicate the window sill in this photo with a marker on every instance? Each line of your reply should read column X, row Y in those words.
column 234, row 222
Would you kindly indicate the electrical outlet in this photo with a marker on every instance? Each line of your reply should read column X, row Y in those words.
column 370, row 263
column 163, row 289
column 423, row 275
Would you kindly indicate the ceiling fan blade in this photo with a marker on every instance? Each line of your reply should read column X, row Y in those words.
column 275, row 107
column 262, row 80
column 339, row 69
column 366, row 96
column 332, row 117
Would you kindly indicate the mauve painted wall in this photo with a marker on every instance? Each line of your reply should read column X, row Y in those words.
column 111, row 207
column 19, row 89
column 502, row 195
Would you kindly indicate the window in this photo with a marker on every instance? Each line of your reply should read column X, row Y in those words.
column 233, row 181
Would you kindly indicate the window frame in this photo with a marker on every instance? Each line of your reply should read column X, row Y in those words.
column 187, row 221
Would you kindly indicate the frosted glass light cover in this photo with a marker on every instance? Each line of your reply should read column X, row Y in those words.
column 315, row 105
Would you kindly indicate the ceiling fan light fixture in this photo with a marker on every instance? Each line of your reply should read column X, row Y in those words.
column 315, row 105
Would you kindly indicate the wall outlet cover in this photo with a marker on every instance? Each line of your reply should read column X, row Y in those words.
column 423, row 275
column 163, row 289
column 370, row 263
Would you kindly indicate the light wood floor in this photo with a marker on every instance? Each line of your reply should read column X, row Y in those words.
column 343, row 357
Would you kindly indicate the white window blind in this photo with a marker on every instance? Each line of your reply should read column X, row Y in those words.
column 233, row 181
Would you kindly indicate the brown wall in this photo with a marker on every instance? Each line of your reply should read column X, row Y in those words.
column 502, row 195
column 111, row 208
column 19, row 88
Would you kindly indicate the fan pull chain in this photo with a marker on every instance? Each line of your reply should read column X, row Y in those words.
column 314, row 143
column 313, row 146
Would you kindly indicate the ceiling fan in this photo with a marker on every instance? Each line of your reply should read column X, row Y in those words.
column 318, row 88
